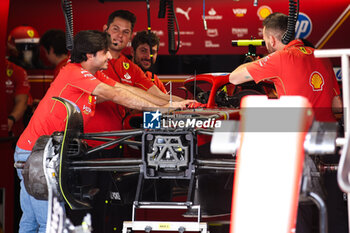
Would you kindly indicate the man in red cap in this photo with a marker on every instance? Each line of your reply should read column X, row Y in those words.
column 23, row 43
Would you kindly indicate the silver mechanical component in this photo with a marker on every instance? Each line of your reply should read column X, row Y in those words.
column 321, row 138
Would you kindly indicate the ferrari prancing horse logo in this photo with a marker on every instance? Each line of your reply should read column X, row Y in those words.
column 126, row 65
column 9, row 72
column 30, row 33
column 305, row 50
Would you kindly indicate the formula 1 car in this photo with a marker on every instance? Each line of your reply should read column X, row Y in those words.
column 215, row 94
column 168, row 153
column 215, row 91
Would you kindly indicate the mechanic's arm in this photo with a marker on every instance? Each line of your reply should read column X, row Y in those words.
column 240, row 74
column 337, row 107
column 154, row 90
column 120, row 95
column 18, row 110
column 142, row 93
column 153, row 98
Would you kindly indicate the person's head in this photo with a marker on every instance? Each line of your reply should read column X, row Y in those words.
column 141, row 49
column 120, row 26
column 91, row 45
column 54, row 43
column 23, row 44
column 275, row 25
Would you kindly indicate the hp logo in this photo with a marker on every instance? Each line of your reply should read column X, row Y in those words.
column 303, row 26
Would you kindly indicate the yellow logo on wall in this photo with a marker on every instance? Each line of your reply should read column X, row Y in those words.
column 316, row 81
column 9, row 72
column 30, row 33
column 126, row 65
column 264, row 11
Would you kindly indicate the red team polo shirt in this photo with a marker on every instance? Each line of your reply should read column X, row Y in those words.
column 109, row 115
column 16, row 83
column 73, row 83
column 125, row 71
column 156, row 81
column 295, row 71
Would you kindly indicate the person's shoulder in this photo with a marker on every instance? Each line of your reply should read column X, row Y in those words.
column 14, row 69
column 122, row 57
column 63, row 63
column 281, row 53
column 128, row 61
column 71, row 70
column 130, row 65
column 71, row 67
column 100, row 74
column 297, row 47
column 123, row 61
column 13, row 65
column 149, row 74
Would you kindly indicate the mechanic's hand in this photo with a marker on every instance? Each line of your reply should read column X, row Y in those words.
column 181, row 104
column 196, row 105
column 186, row 103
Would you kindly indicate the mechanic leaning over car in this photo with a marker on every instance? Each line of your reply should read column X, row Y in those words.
column 294, row 70
column 82, row 83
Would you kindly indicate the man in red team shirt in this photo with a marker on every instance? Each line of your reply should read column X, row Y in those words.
column 109, row 117
column 54, row 43
column 17, row 91
column 294, row 70
column 120, row 26
column 142, row 56
column 82, row 83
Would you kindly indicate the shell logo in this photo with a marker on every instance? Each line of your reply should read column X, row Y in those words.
column 264, row 11
column 30, row 33
column 316, row 81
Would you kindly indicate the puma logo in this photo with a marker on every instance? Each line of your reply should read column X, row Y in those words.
column 185, row 13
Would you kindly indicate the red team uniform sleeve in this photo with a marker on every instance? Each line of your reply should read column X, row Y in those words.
column 156, row 81
column 266, row 68
column 78, row 78
column 141, row 80
column 105, row 79
column 160, row 84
